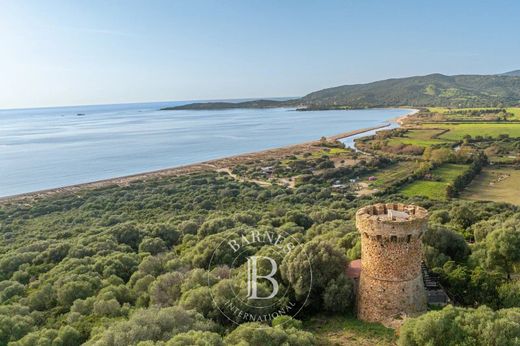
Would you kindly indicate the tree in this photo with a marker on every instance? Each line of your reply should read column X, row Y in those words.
column 509, row 294
column 196, row 338
column 15, row 322
column 68, row 336
column 152, row 245
column 257, row 334
column 43, row 298
column 453, row 326
column 10, row 289
column 502, row 248
column 463, row 216
column 439, row 216
column 119, row 264
column 199, row 299
column 286, row 322
column 165, row 231
column 188, row 227
column 166, row 289
column 152, row 324
column 338, row 295
column 216, row 225
column 128, row 234
column 74, row 287
column 299, row 218
column 447, row 242
column 323, row 259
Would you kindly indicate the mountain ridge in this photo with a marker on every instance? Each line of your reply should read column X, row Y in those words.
column 417, row 91
column 515, row 73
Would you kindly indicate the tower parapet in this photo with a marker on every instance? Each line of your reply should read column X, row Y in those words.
column 391, row 280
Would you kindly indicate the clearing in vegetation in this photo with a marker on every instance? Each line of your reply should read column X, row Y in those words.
column 391, row 174
column 423, row 138
column 495, row 184
column 436, row 187
column 348, row 330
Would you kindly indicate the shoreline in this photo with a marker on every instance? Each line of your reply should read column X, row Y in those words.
column 214, row 164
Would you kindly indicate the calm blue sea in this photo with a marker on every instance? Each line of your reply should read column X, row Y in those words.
column 52, row 147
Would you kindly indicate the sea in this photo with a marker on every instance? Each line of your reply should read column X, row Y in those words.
column 44, row 148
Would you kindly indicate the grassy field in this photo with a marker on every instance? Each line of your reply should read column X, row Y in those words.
column 515, row 111
column 347, row 330
column 434, row 189
column 330, row 152
column 495, row 184
column 442, row 110
column 391, row 174
column 458, row 131
column 421, row 138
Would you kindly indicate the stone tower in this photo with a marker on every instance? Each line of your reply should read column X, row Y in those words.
column 391, row 283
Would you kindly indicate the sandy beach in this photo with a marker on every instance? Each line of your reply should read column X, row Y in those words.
column 211, row 165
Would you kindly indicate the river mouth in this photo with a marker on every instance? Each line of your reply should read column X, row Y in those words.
column 54, row 147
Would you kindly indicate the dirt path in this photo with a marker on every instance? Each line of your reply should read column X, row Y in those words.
column 364, row 190
column 236, row 177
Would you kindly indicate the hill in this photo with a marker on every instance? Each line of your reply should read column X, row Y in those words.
column 418, row 91
column 434, row 89
column 230, row 105
column 515, row 73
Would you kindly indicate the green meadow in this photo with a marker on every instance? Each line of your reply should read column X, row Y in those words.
column 457, row 131
column 423, row 138
column 435, row 189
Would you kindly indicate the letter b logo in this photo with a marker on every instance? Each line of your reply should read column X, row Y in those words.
column 252, row 277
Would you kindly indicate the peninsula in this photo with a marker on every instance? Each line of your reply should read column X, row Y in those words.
column 463, row 91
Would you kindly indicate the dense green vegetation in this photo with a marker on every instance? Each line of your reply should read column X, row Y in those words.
column 420, row 91
column 97, row 265
column 129, row 265
column 230, row 105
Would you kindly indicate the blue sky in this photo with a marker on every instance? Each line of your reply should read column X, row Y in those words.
column 90, row 52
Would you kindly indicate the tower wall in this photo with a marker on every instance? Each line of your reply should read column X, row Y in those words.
column 391, row 282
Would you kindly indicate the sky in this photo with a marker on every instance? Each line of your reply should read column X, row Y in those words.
column 55, row 53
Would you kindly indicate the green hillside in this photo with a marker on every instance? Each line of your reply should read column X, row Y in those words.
column 434, row 89
column 515, row 73
column 420, row 91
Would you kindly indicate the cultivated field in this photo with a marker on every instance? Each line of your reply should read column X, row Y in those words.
column 495, row 184
column 423, row 138
column 458, row 131
column 434, row 189
column 391, row 174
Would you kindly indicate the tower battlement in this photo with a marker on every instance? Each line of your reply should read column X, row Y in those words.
column 391, row 253
column 390, row 219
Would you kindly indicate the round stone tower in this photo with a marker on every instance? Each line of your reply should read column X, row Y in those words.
column 391, row 283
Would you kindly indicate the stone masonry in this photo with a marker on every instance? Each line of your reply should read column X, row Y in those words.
column 391, row 285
